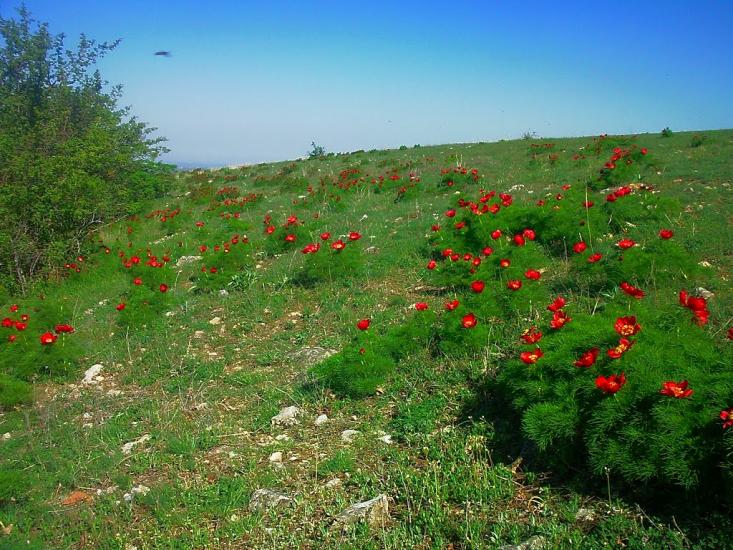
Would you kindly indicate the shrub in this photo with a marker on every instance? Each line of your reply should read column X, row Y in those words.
column 666, row 132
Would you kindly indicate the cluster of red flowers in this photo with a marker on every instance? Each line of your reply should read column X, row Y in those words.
column 698, row 305
column 164, row 215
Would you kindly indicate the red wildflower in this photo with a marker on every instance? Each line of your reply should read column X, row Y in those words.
column 432, row 264
column 338, row 245
column 666, row 234
column 579, row 247
column 625, row 244
column 48, row 338
column 519, row 240
column 14, row 308
column 421, row 306
column 632, row 290
column 120, row 306
column 435, row 227
column 627, row 326
column 496, row 234
column 559, row 319
column 270, row 229
column 593, row 258
column 611, row 384
column 559, row 303
column 7, row 322
column 529, row 234
column 311, row 248
column 137, row 281
column 676, row 389
column 290, row 238
column 504, row 262
column 588, row 358
column 453, row 304
column 624, row 345
column 20, row 326
column 354, row 236
column 163, row 287
column 450, row 213
column 363, row 324
column 532, row 274
column 469, row 320
column 63, row 328
column 726, row 415
column 531, row 335
column 487, row 251
column 531, row 357
column 695, row 303
column 12, row 338
column 514, row 284
column 730, row 333
column 478, row 286
column 325, row 236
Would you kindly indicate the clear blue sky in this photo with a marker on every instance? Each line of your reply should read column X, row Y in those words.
column 257, row 81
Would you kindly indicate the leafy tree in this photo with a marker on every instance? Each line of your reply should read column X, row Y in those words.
column 70, row 157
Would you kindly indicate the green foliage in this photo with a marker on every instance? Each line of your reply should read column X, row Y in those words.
column 14, row 392
column 352, row 372
column 62, row 135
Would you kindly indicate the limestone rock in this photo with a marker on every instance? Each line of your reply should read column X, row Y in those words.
column 374, row 511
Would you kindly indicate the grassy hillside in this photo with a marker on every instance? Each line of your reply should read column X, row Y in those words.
column 192, row 373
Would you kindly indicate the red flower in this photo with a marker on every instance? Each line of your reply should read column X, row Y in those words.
column 469, row 320
column 338, row 245
column 363, row 324
column 529, row 234
column 559, row 319
column 450, row 306
column 460, row 225
column 531, row 335
column 514, row 284
column 163, row 287
column 666, row 234
column 137, row 281
column 325, row 236
column 14, row 308
column 695, row 303
column 270, row 229
column 588, row 358
column 644, row 150
column 487, row 251
column 435, row 227
column 559, row 303
column 12, row 338
column 421, row 306
column 531, row 357
column 625, row 244
column 730, row 333
column 478, row 286
column 676, row 389
column 20, row 326
column 504, row 262
column 532, row 274
column 7, row 322
column 611, row 384
column 354, row 236
column 450, row 213
column 519, row 240
column 432, row 264
column 290, row 238
column 135, row 260
column 593, row 258
column 311, row 248
column 632, row 290
column 579, row 247
column 63, row 328
column 627, row 326
column 726, row 415
column 624, row 345
column 48, row 338
column 120, row 306
column 496, row 234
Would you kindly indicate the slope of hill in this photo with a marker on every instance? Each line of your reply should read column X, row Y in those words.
column 156, row 415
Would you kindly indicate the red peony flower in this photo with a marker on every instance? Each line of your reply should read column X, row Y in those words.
column 726, row 415
column 666, row 234
column 730, row 333
column 529, row 234
column 531, row 335
column 519, row 240
column 338, row 245
column 163, row 287
column 435, row 227
column 676, row 389
column 487, row 251
column 632, row 290
column 478, row 286
column 532, row 274
column 593, row 258
column 514, row 284
column 611, row 384
column 14, row 308
column 421, row 306
column 624, row 345
column 453, row 304
column 504, row 262
column 48, row 338
column 625, row 244
column 579, row 247
column 20, row 326
column 469, row 320
column 588, row 358
column 325, row 236
column 627, row 326
column 137, row 281
column 7, row 322
column 120, row 306
column 354, row 236
column 363, row 324
column 432, row 264
column 496, row 234
column 450, row 213
column 290, row 238
column 270, row 229
column 531, row 357
column 12, row 338
column 557, row 304
column 63, row 328
column 559, row 319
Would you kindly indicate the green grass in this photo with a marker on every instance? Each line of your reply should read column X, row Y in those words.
column 205, row 393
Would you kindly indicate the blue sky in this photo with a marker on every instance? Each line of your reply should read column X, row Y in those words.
column 258, row 81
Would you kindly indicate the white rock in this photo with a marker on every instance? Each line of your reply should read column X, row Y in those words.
column 349, row 435
column 114, row 393
column 333, row 483
column 286, row 417
column 223, row 292
column 374, row 511
column 215, row 321
column 264, row 499
column 199, row 334
column 386, row 439
column 90, row 373
column 320, row 420
column 183, row 260
column 128, row 447
column 6, row 436
column 136, row 490
column 277, row 456
column 282, row 437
